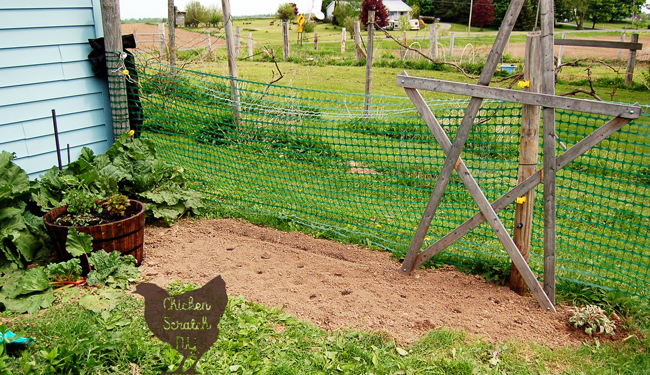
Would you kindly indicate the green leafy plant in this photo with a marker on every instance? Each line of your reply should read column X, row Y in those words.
column 593, row 319
column 111, row 269
column 131, row 168
column 65, row 271
column 22, row 234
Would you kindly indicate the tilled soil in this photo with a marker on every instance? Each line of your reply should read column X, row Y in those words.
column 334, row 285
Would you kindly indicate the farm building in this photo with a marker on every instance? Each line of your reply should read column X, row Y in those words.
column 44, row 66
column 396, row 9
column 180, row 18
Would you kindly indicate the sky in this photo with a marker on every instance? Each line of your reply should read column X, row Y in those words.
column 158, row 8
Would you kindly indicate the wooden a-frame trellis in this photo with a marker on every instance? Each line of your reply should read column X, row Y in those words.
column 623, row 114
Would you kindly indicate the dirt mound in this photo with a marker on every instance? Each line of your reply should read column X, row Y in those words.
column 334, row 285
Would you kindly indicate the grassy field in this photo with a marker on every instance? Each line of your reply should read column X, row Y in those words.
column 258, row 340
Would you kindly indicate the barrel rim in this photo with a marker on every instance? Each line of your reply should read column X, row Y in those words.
column 47, row 219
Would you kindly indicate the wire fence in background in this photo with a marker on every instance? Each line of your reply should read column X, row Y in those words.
column 316, row 158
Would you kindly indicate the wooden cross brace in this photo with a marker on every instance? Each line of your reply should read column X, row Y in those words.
column 624, row 114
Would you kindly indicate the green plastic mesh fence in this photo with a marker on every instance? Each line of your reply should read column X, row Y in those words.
column 320, row 159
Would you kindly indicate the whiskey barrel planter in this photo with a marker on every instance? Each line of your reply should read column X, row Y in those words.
column 125, row 236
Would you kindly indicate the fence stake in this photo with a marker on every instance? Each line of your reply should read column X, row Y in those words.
column 285, row 40
column 161, row 39
column 629, row 75
column 250, row 45
column 343, row 36
column 451, row 44
column 116, row 81
column 620, row 51
column 315, row 41
column 232, row 61
column 559, row 55
column 357, row 40
column 433, row 40
column 530, row 119
column 550, row 163
column 237, row 41
column 403, row 50
column 171, row 24
column 208, row 42
column 371, row 38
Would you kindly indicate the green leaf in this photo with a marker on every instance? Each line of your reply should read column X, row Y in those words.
column 111, row 269
column 12, row 175
column 27, row 244
column 78, row 243
column 34, row 280
column 65, row 271
column 97, row 303
column 402, row 352
column 31, row 304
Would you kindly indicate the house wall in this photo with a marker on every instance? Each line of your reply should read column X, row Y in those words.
column 43, row 66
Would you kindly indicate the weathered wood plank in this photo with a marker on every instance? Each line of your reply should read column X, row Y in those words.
column 508, row 95
column 631, row 62
column 528, row 155
column 530, row 183
column 598, row 44
column 461, row 136
column 550, row 164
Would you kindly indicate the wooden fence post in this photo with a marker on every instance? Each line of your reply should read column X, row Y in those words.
column 315, row 41
column 171, row 24
column 237, row 41
column 357, row 40
column 404, row 43
column 208, row 42
column 232, row 60
column 559, row 55
column 620, row 51
column 369, row 52
column 433, row 40
column 343, row 37
column 451, row 44
column 550, row 162
column 528, row 155
column 250, row 45
column 629, row 75
column 285, row 40
column 161, row 39
column 116, row 81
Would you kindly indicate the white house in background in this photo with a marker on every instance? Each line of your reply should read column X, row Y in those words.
column 396, row 9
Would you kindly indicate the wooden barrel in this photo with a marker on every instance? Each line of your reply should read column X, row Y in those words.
column 125, row 236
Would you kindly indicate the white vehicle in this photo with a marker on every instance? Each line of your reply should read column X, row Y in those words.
column 413, row 24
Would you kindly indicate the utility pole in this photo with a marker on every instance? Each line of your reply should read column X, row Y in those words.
column 469, row 26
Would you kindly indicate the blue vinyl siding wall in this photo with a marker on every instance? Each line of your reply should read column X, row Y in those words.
column 43, row 66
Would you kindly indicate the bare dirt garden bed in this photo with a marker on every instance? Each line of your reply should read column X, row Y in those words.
column 334, row 285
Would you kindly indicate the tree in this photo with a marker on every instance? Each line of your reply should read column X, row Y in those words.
column 216, row 16
column 196, row 13
column 483, row 13
column 381, row 14
column 526, row 19
column 287, row 11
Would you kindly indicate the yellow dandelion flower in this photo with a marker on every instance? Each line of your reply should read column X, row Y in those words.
column 125, row 72
column 131, row 132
